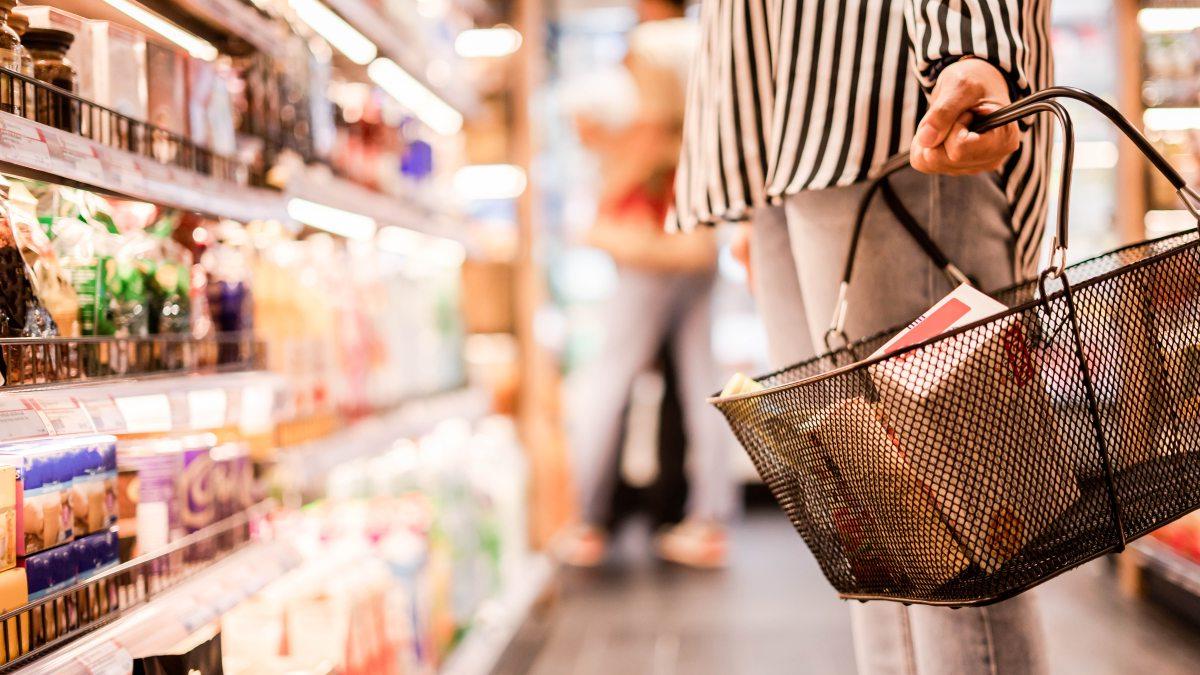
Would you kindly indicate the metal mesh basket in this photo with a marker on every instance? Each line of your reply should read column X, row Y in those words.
column 973, row 466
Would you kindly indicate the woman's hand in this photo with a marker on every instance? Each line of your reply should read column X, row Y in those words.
column 943, row 143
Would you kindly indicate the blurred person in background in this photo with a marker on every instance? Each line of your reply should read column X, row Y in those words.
column 792, row 106
column 632, row 120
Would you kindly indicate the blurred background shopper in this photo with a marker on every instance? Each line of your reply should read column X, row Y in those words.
column 795, row 102
column 633, row 123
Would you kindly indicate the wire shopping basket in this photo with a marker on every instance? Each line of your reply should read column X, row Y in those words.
column 975, row 465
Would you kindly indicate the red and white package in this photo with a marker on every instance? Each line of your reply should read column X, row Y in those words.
column 971, row 416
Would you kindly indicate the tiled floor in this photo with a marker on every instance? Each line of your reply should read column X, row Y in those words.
column 771, row 612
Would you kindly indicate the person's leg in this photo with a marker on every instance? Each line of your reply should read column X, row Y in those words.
column 893, row 283
column 637, row 316
column 777, row 289
column 711, row 489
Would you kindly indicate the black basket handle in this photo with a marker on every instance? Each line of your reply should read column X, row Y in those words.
column 1038, row 102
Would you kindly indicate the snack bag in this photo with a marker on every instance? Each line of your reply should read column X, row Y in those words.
column 51, row 283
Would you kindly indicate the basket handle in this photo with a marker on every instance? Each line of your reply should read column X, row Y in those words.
column 1038, row 102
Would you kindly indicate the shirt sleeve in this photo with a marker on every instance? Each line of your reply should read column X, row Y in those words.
column 997, row 31
column 721, row 173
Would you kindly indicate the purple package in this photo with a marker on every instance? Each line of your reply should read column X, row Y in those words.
column 147, row 498
column 197, row 484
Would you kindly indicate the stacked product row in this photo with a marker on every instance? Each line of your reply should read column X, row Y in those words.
column 74, row 507
column 58, row 512
column 433, row 530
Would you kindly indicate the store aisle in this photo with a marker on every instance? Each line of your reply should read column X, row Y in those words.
column 772, row 612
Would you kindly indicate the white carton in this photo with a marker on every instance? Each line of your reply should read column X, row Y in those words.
column 972, row 417
column 118, row 68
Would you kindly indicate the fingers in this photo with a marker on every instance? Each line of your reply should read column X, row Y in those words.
column 964, row 151
column 950, row 100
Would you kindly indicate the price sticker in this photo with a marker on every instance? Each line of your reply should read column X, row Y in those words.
column 19, row 419
column 105, row 414
column 107, row 658
column 63, row 415
column 147, row 414
column 208, row 408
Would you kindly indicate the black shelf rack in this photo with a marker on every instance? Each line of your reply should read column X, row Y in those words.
column 35, row 100
column 29, row 362
column 46, row 625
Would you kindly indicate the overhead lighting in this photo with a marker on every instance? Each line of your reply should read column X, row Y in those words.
column 1169, row 19
column 1171, row 119
column 344, row 37
column 193, row 45
column 423, row 247
column 433, row 111
column 490, row 181
column 335, row 221
column 487, row 42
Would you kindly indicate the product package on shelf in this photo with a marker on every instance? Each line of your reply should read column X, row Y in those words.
column 80, row 52
column 22, row 313
column 166, row 68
column 51, row 281
column 210, row 108
column 94, row 488
column 980, row 483
column 148, row 498
column 197, row 489
column 118, row 69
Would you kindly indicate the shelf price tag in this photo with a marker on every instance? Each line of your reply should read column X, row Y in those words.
column 146, row 414
column 107, row 658
column 257, row 414
column 19, row 419
column 207, row 408
column 63, row 415
column 23, row 142
column 106, row 417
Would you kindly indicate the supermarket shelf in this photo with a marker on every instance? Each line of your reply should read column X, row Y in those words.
column 318, row 184
column 152, row 405
column 29, row 362
column 498, row 621
column 307, row 466
column 172, row 616
column 43, row 152
column 48, row 625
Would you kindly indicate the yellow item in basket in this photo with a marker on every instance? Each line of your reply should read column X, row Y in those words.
column 740, row 384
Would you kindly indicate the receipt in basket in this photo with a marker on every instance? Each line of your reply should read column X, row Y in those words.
column 971, row 416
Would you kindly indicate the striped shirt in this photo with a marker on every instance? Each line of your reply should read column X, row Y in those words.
column 793, row 95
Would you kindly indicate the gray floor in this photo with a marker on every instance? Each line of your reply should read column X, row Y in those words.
column 771, row 612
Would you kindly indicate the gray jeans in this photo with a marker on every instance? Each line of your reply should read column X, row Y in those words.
column 801, row 251
column 644, row 309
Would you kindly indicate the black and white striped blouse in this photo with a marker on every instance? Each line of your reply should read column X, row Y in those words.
column 793, row 95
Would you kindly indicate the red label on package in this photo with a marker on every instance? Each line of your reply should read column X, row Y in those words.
column 1016, row 350
column 933, row 325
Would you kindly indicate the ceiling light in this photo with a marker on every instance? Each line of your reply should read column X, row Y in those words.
column 333, row 220
column 433, row 111
column 1169, row 19
column 437, row 251
column 344, row 37
column 490, row 181
column 195, row 46
column 487, row 42
column 1171, row 119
